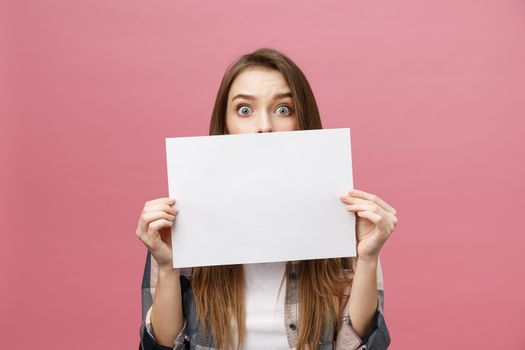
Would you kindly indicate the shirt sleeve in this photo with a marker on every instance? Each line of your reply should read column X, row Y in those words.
column 378, row 338
column 147, row 338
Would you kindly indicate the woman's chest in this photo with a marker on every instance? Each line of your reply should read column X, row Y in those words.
column 264, row 306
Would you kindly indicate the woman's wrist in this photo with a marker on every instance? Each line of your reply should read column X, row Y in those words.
column 168, row 271
column 368, row 260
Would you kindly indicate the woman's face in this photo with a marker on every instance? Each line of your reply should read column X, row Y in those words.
column 260, row 100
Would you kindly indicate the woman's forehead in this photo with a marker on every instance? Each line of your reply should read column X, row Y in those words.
column 258, row 81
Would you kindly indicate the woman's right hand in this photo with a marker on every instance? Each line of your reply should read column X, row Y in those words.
column 154, row 229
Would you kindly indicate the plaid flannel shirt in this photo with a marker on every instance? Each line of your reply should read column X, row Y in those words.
column 191, row 337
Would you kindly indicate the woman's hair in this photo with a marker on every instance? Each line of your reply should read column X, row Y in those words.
column 219, row 290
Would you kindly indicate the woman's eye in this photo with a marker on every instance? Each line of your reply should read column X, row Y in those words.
column 284, row 110
column 244, row 110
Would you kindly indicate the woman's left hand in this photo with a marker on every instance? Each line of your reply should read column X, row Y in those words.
column 375, row 221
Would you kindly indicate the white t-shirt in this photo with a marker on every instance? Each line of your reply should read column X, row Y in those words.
column 265, row 328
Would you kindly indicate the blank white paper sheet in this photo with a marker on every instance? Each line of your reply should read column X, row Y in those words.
column 265, row 197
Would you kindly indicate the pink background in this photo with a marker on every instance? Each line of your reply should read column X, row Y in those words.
column 434, row 92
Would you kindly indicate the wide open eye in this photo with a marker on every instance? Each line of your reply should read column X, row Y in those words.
column 244, row 110
column 284, row 110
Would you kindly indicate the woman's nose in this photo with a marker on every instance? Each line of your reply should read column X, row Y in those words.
column 264, row 123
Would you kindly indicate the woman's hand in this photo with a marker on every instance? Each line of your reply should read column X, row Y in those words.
column 375, row 221
column 154, row 229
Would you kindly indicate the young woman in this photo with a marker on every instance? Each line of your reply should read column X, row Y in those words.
column 325, row 304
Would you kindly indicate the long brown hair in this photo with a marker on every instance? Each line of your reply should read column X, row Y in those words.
column 219, row 290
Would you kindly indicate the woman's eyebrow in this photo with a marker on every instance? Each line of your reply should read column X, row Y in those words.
column 283, row 95
column 276, row 97
column 246, row 97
